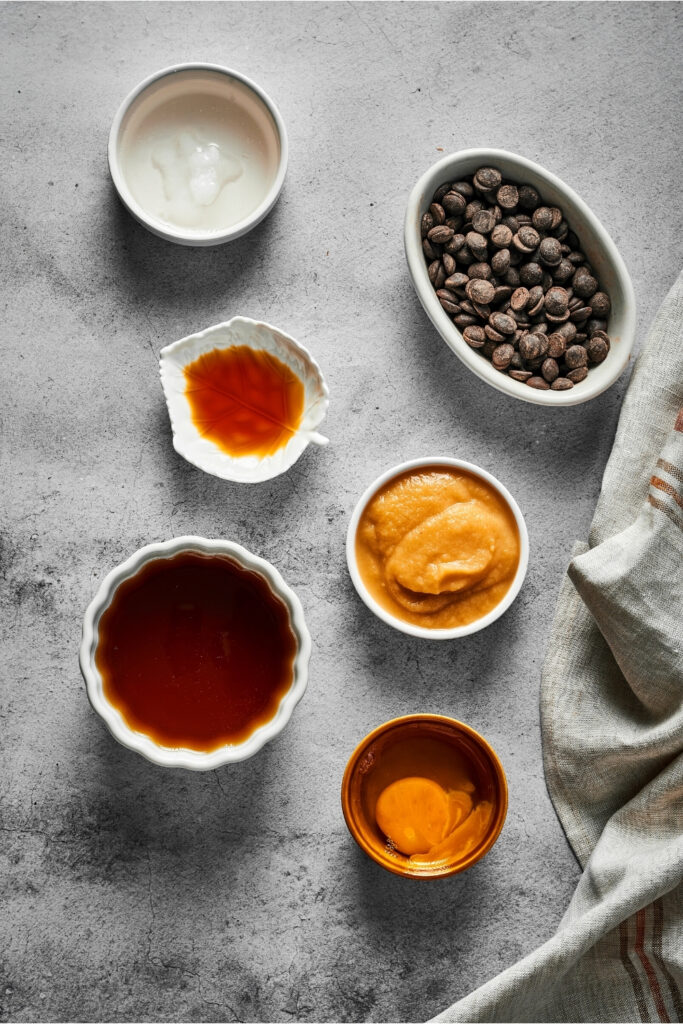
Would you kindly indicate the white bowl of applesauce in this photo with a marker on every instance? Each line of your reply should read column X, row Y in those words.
column 437, row 548
column 198, row 154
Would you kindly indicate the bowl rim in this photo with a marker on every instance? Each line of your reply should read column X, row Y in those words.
column 458, row 726
column 424, row 632
column 181, row 757
column 227, row 461
column 449, row 332
column 176, row 234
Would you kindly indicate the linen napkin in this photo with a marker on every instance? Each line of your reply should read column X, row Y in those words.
column 612, row 729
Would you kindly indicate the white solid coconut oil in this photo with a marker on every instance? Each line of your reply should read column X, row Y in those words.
column 199, row 151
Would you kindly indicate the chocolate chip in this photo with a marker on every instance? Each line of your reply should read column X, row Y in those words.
column 542, row 218
column 501, row 236
column 493, row 335
column 474, row 336
column 500, row 262
column 487, row 179
column 584, row 284
column 479, row 290
column 563, row 271
column 556, row 345
column 550, row 370
column 438, row 213
column 503, row 323
column 580, row 314
column 575, row 356
column 448, row 301
column 484, row 222
column 456, row 280
column 598, row 347
column 440, row 234
column 502, row 355
column 536, row 302
column 519, row 299
column 530, row 346
column 556, row 301
column 550, row 252
column 531, row 274
column 508, row 197
column 455, row 244
column 477, row 245
column 527, row 239
column 454, row 204
column 528, row 197
column 464, row 188
column 600, row 304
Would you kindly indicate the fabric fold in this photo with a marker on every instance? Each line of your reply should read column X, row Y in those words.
column 612, row 728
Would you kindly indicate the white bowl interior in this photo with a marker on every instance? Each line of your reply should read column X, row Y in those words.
column 408, row 627
column 179, row 757
column 203, row 453
column 595, row 242
column 247, row 108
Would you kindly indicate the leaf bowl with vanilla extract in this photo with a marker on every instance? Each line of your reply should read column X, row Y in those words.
column 244, row 398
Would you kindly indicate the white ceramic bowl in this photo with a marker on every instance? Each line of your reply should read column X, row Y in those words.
column 423, row 631
column 169, row 757
column 170, row 79
column 595, row 242
column 203, row 453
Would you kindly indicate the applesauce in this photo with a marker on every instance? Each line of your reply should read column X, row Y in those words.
column 437, row 547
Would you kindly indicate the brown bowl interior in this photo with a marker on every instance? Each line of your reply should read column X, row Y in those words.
column 397, row 749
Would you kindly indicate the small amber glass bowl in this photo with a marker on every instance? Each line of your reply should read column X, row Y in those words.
column 358, row 799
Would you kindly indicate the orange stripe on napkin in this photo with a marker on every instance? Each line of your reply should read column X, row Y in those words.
column 670, row 513
column 659, row 959
column 672, row 470
column 651, row 976
column 631, row 971
column 662, row 485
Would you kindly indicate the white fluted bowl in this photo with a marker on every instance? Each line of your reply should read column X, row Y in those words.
column 180, row 757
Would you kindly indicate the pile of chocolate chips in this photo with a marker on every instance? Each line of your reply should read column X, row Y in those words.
column 511, row 275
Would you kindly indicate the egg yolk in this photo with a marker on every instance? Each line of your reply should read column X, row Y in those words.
column 418, row 814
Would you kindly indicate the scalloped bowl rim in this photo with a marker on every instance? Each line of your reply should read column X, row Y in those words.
column 457, row 632
column 181, row 757
column 228, row 467
column 511, row 164
column 168, row 231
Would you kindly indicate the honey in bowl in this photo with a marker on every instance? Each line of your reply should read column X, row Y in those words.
column 244, row 400
column 425, row 796
column 437, row 547
column 195, row 651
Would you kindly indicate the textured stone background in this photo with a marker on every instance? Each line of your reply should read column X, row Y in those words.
column 130, row 892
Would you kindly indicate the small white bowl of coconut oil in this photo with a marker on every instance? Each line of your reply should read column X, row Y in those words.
column 198, row 154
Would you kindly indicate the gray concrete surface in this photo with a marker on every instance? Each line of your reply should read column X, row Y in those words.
column 130, row 892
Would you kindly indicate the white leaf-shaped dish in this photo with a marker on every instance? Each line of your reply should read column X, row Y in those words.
column 205, row 454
